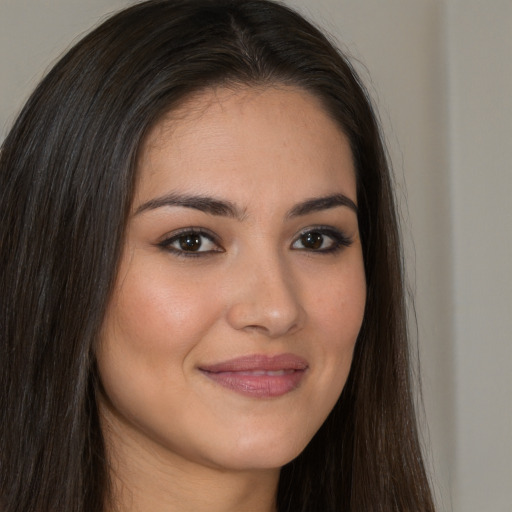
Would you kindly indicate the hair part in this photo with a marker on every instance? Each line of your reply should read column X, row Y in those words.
column 67, row 175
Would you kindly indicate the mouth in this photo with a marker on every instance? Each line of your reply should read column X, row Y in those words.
column 259, row 376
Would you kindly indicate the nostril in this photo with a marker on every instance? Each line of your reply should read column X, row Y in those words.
column 267, row 316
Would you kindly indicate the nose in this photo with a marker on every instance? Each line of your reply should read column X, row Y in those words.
column 266, row 299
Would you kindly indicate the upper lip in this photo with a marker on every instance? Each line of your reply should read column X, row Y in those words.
column 258, row 362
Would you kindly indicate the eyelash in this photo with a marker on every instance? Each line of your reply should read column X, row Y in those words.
column 339, row 241
column 191, row 231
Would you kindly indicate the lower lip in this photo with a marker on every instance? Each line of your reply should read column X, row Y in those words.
column 258, row 384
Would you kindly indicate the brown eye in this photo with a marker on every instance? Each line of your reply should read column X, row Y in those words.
column 190, row 242
column 312, row 240
column 322, row 240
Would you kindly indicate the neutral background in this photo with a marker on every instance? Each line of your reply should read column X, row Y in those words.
column 441, row 75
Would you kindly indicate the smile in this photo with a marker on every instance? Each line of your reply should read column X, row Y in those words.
column 259, row 376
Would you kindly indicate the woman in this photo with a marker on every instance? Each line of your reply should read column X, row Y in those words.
column 203, row 299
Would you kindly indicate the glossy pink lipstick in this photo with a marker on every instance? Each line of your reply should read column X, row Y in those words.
column 259, row 376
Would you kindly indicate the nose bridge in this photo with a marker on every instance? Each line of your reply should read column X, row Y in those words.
column 266, row 297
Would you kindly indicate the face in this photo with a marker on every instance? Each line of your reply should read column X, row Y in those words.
column 241, row 289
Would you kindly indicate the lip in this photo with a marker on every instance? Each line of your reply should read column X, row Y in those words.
column 259, row 376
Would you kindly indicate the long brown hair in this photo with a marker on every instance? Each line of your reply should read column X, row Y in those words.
column 67, row 172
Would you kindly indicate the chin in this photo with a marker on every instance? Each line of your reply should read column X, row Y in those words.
column 248, row 453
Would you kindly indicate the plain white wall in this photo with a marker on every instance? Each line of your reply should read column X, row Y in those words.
column 33, row 33
column 441, row 73
column 480, row 91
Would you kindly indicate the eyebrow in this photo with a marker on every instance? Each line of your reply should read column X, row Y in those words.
column 224, row 208
column 202, row 203
column 322, row 203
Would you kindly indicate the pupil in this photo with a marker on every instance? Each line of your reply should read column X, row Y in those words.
column 190, row 242
column 312, row 240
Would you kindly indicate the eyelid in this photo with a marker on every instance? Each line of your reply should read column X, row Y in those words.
column 171, row 237
column 340, row 239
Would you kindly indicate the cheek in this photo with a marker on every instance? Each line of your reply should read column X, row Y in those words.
column 152, row 325
column 338, row 307
column 152, row 313
column 337, row 314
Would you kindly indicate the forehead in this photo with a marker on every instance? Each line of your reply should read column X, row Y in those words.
column 247, row 137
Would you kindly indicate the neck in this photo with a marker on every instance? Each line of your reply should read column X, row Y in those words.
column 146, row 476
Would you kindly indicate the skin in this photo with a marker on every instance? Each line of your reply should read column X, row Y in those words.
column 176, row 439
